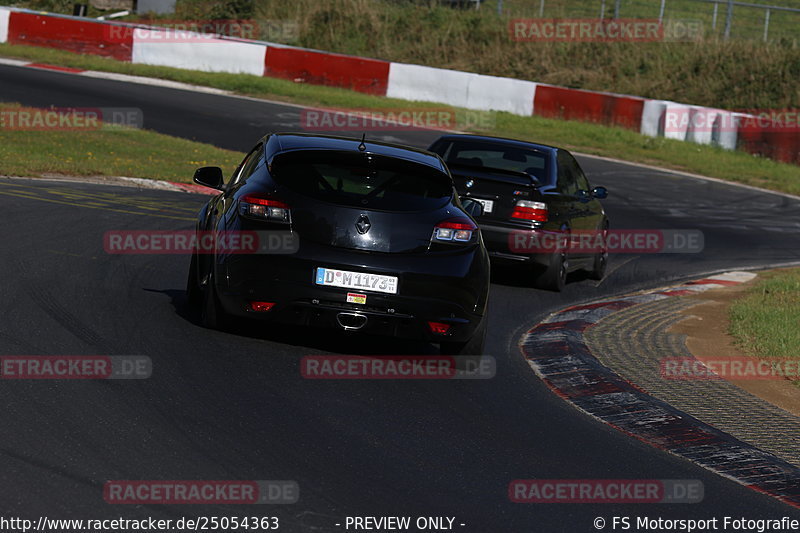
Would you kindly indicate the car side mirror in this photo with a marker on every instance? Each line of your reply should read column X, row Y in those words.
column 473, row 207
column 583, row 196
column 209, row 177
column 600, row 192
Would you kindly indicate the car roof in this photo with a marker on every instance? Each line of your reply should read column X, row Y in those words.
column 289, row 142
column 499, row 140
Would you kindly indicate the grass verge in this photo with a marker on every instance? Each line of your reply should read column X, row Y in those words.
column 764, row 322
column 107, row 151
column 580, row 136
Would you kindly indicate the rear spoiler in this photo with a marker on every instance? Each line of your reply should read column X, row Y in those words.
column 519, row 178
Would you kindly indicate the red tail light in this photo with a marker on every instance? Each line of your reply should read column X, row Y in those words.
column 261, row 307
column 439, row 328
column 264, row 207
column 459, row 229
column 527, row 210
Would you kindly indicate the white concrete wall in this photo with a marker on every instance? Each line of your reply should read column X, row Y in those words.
column 196, row 52
column 4, row 14
column 462, row 89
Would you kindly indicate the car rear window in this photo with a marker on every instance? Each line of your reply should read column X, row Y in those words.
column 494, row 155
column 363, row 180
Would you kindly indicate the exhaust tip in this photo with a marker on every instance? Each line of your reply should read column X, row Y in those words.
column 351, row 321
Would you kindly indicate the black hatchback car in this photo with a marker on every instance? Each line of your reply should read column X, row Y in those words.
column 529, row 193
column 384, row 245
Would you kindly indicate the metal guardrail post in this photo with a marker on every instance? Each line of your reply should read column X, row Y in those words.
column 728, row 20
column 714, row 17
column 766, row 26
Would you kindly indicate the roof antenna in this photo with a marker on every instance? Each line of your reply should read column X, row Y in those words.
column 362, row 146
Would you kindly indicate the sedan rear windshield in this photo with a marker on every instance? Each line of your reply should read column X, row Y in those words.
column 482, row 154
column 363, row 180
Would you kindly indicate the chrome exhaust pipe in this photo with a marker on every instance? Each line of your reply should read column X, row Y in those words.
column 351, row 321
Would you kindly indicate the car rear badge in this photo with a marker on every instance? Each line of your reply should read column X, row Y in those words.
column 470, row 183
column 362, row 224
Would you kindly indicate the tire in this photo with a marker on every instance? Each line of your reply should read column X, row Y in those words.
column 474, row 346
column 194, row 295
column 213, row 316
column 600, row 263
column 554, row 276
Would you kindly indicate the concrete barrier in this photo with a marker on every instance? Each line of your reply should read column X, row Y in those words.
column 80, row 35
column 461, row 89
column 157, row 47
column 4, row 14
column 588, row 106
column 369, row 76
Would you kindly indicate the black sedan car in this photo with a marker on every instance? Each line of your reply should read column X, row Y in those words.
column 383, row 243
column 532, row 195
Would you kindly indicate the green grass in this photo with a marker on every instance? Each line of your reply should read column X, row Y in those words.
column 584, row 137
column 109, row 151
column 766, row 321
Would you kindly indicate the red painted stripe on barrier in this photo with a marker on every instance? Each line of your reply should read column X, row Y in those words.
column 588, row 106
column 54, row 67
column 83, row 36
column 774, row 142
column 360, row 74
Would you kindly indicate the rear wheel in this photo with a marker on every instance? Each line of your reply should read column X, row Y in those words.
column 213, row 316
column 554, row 276
column 193, row 293
column 474, row 346
column 601, row 259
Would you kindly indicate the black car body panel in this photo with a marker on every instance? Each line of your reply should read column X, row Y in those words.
column 346, row 226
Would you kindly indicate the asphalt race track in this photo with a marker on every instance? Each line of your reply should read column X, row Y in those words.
column 234, row 406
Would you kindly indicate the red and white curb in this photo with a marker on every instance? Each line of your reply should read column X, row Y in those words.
column 558, row 354
column 170, row 186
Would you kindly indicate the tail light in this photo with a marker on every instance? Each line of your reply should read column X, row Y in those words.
column 439, row 328
column 264, row 207
column 458, row 229
column 528, row 210
column 261, row 307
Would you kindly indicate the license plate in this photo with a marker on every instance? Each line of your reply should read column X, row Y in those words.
column 487, row 204
column 356, row 280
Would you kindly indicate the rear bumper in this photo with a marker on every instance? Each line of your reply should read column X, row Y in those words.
column 503, row 246
column 446, row 288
